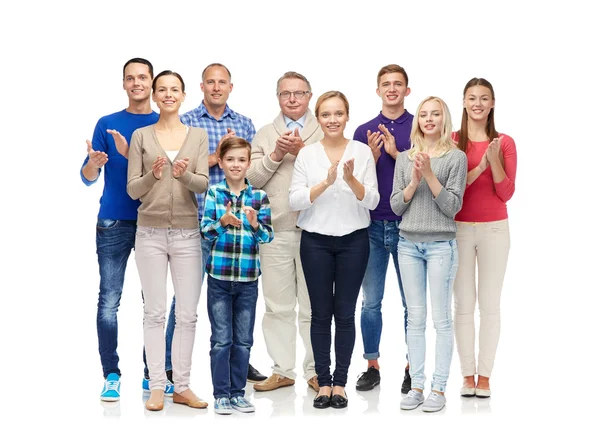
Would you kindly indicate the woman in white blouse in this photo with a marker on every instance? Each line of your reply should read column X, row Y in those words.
column 334, row 186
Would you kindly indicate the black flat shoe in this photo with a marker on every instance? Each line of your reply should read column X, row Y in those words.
column 255, row 376
column 338, row 401
column 321, row 402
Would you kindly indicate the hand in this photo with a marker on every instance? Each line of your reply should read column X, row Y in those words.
column 389, row 142
column 251, row 215
column 423, row 164
column 493, row 152
column 157, row 167
column 296, row 142
column 375, row 142
column 332, row 173
column 120, row 142
column 483, row 163
column 349, row 170
column 229, row 218
column 230, row 133
column 180, row 166
column 97, row 158
column 415, row 175
column 283, row 145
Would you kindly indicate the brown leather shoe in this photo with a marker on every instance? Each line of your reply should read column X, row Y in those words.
column 193, row 402
column 314, row 383
column 156, row 402
column 275, row 381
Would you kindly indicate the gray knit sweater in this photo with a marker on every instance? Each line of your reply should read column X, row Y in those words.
column 425, row 218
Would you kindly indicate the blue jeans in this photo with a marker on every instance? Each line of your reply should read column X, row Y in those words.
column 383, row 241
column 439, row 261
column 231, row 310
column 206, row 245
column 333, row 268
column 114, row 241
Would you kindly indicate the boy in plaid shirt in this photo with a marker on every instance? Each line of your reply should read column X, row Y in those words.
column 236, row 219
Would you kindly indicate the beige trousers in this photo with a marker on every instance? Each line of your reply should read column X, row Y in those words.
column 155, row 249
column 283, row 287
column 483, row 251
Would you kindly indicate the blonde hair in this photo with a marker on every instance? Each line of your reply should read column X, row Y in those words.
column 332, row 94
column 417, row 139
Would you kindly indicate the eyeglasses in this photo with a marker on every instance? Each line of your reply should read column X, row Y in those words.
column 297, row 94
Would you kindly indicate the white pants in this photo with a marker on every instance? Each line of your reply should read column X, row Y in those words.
column 155, row 248
column 484, row 245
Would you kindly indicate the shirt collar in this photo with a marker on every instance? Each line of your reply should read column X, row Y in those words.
column 288, row 121
column 223, row 186
column 227, row 113
column 383, row 119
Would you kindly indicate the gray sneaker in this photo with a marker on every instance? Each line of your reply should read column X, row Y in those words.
column 412, row 400
column 434, row 402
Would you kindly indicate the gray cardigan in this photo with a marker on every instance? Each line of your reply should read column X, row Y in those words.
column 425, row 218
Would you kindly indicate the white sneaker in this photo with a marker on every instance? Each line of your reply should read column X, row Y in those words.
column 412, row 400
column 434, row 402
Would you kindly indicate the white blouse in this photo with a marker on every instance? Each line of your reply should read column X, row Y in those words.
column 337, row 211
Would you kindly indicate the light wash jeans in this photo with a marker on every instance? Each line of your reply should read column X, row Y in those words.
column 439, row 261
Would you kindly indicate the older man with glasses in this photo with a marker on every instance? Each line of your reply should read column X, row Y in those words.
column 274, row 151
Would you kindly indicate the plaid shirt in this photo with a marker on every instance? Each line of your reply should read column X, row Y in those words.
column 200, row 117
column 234, row 253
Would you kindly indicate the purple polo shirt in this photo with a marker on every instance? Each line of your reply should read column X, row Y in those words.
column 400, row 128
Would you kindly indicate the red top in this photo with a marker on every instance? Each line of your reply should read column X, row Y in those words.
column 484, row 200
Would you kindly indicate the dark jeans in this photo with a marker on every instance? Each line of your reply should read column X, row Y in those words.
column 114, row 242
column 171, row 321
column 334, row 268
column 231, row 310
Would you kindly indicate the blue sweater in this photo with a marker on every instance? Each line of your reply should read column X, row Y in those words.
column 115, row 203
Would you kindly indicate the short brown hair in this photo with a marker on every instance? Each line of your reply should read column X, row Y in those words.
column 234, row 142
column 329, row 95
column 392, row 68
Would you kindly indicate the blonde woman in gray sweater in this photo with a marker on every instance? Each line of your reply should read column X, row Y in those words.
column 168, row 165
column 429, row 183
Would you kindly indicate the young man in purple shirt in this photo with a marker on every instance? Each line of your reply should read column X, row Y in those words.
column 387, row 135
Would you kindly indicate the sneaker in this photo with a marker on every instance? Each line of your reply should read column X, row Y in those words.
column 169, row 388
column 407, row 383
column 368, row 380
column 434, row 402
column 240, row 403
column 412, row 400
column 223, row 406
column 255, row 376
column 112, row 388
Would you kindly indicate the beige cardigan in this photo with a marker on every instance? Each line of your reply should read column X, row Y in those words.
column 169, row 202
column 275, row 177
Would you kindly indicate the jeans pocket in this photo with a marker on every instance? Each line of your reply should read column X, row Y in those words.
column 106, row 224
column 190, row 233
column 144, row 232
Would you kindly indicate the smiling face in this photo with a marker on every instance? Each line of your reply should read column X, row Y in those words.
column 216, row 86
column 168, row 93
column 332, row 116
column 137, row 82
column 235, row 163
column 292, row 106
column 392, row 89
column 478, row 102
column 431, row 119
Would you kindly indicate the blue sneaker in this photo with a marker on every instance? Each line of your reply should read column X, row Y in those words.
column 240, row 403
column 112, row 388
column 169, row 388
column 222, row 406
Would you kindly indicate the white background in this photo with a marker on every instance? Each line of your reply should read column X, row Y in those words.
column 61, row 71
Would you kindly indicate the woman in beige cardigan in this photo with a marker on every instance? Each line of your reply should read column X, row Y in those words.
column 168, row 164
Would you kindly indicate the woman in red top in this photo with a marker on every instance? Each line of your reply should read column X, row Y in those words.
column 482, row 234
